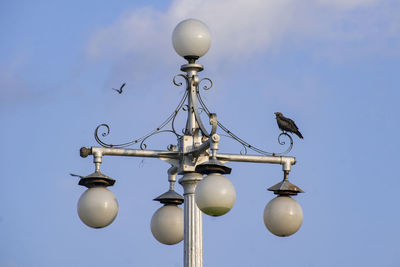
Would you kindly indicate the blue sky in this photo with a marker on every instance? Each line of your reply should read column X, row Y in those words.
column 331, row 65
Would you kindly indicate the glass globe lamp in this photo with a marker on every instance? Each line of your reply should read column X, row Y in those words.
column 215, row 195
column 167, row 224
column 191, row 39
column 97, row 207
column 283, row 216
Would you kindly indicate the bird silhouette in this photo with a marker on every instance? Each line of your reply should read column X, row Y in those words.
column 287, row 125
column 76, row 175
column 120, row 89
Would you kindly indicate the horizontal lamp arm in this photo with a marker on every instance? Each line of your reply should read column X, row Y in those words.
column 286, row 162
column 128, row 152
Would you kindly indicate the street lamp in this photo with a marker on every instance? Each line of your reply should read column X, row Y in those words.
column 196, row 158
column 98, row 206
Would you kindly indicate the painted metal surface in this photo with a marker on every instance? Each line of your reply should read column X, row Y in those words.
column 193, row 233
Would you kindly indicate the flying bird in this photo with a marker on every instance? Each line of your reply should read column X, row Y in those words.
column 287, row 125
column 76, row 175
column 120, row 89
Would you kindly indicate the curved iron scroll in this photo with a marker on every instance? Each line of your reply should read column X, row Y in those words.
column 244, row 143
column 159, row 129
column 182, row 106
column 205, row 87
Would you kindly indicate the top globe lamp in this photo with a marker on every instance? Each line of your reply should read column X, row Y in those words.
column 191, row 39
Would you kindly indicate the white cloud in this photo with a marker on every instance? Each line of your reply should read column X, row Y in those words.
column 238, row 28
column 245, row 28
column 137, row 32
column 347, row 4
column 13, row 87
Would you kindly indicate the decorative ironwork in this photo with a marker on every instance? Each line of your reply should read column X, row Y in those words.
column 205, row 87
column 159, row 129
column 183, row 76
column 244, row 143
column 195, row 82
column 283, row 142
column 143, row 145
column 243, row 151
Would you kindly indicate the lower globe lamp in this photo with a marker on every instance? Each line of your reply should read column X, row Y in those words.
column 283, row 216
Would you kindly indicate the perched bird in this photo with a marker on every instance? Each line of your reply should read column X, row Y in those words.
column 287, row 125
column 120, row 89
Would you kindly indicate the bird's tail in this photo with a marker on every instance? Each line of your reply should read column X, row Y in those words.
column 299, row 134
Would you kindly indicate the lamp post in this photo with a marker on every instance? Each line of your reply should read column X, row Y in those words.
column 196, row 158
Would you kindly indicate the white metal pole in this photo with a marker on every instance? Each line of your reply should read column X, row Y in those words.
column 193, row 223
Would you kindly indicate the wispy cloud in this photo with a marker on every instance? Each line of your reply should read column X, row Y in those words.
column 137, row 32
column 138, row 44
column 347, row 4
column 13, row 87
column 244, row 28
